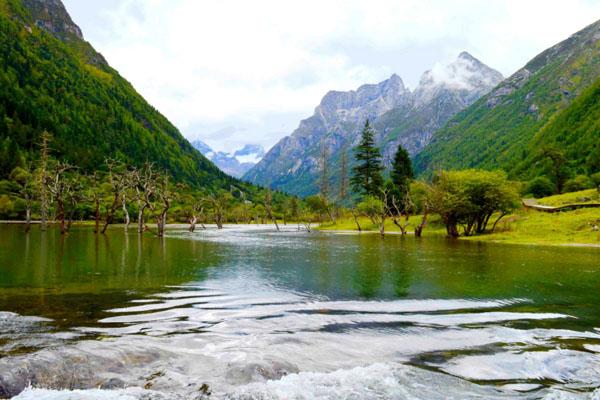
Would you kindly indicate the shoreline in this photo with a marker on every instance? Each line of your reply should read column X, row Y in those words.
column 462, row 238
column 435, row 233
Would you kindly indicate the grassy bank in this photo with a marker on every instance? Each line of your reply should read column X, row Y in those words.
column 524, row 226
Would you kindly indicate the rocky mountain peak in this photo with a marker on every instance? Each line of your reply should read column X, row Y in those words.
column 368, row 101
column 52, row 16
column 465, row 74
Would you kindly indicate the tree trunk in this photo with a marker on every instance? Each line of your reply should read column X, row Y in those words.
column 96, row 215
column 127, row 219
column 193, row 220
column 110, row 214
column 162, row 221
column 140, row 220
column 498, row 220
column 28, row 217
column 419, row 229
column 355, row 215
column 60, row 215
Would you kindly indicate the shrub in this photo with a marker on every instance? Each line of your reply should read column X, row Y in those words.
column 596, row 179
column 580, row 182
column 470, row 198
column 6, row 206
column 541, row 187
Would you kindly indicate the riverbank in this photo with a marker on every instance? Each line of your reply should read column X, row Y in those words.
column 579, row 227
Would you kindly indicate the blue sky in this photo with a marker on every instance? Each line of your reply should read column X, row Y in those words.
column 236, row 72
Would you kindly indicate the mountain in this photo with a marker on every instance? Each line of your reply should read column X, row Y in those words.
column 235, row 165
column 398, row 116
column 52, row 79
column 552, row 100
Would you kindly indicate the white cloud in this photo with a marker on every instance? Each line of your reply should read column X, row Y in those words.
column 261, row 65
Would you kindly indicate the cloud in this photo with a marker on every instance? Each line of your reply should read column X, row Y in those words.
column 262, row 65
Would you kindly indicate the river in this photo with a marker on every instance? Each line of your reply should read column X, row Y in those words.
column 250, row 313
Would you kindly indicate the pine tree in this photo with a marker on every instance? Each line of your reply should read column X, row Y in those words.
column 402, row 171
column 366, row 175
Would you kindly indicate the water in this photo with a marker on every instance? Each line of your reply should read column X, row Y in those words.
column 248, row 313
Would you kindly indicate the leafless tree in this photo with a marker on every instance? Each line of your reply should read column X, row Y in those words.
column 356, row 215
column 398, row 211
column 218, row 205
column 58, row 187
column 120, row 179
column 165, row 196
column 145, row 188
column 268, row 207
column 43, row 179
column 94, row 195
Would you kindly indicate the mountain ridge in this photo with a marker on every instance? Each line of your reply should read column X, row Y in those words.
column 54, row 80
column 499, row 130
column 399, row 116
column 236, row 164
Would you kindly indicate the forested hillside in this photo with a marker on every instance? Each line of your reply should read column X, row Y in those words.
column 53, row 80
column 551, row 101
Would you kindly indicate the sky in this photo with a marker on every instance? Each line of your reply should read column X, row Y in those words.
column 236, row 72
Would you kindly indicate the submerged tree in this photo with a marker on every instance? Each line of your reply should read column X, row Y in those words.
column 366, row 178
column 268, row 200
column 145, row 187
column 164, row 195
column 43, row 178
column 59, row 187
column 119, row 179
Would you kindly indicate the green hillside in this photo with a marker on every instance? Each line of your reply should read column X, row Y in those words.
column 53, row 80
column 553, row 100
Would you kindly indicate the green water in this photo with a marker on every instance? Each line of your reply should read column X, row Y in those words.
column 82, row 280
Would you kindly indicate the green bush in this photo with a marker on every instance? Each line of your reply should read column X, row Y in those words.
column 596, row 179
column 541, row 187
column 580, row 182
column 6, row 207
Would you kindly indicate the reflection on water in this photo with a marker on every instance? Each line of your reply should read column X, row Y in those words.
column 251, row 313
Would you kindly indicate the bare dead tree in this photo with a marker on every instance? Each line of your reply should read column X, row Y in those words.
column 268, row 207
column 43, row 176
column 164, row 194
column 145, row 187
column 419, row 228
column 94, row 195
column 57, row 186
column 74, row 195
column 126, row 218
column 120, row 180
column 356, row 215
column 218, row 205
column 397, row 212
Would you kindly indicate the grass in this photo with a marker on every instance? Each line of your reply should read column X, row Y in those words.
column 523, row 227
column 584, row 196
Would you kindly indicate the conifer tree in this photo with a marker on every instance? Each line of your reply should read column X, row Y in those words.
column 366, row 175
column 402, row 171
